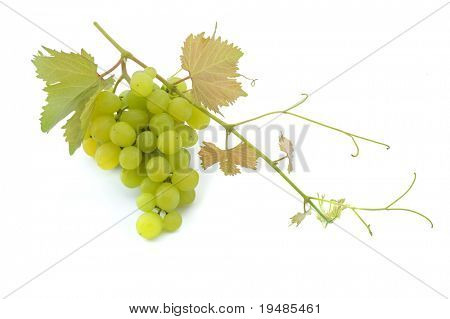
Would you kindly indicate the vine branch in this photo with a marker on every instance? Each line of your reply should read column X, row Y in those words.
column 287, row 111
column 387, row 208
column 230, row 129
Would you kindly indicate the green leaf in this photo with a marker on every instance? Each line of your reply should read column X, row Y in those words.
column 72, row 83
column 77, row 125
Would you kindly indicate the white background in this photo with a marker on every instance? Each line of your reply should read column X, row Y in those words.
column 234, row 246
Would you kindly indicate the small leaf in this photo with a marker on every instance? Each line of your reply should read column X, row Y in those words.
column 212, row 66
column 287, row 147
column 71, row 83
column 298, row 218
column 228, row 160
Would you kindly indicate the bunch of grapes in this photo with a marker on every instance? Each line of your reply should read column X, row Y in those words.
column 146, row 131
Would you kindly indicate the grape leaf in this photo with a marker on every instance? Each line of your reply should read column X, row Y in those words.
column 287, row 147
column 71, row 84
column 212, row 66
column 298, row 218
column 77, row 125
column 228, row 160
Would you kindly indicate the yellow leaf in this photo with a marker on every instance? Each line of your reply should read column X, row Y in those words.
column 287, row 147
column 228, row 160
column 212, row 66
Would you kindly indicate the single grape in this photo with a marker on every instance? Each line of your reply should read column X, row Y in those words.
column 100, row 127
column 149, row 225
column 187, row 197
column 89, row 146
column 146, row 202
column 122, row 134
column 161, row 122
column 136, row 101
column 150, row 71
column 141, row 83
column 169, row 142
column 185, row 180
column 167, row 197
column 146, row 141
column 198, row 119
column 107, row 156
column 130, row 157
column 180, row 86
column 142, row 169
column 130, row 178
column 137, row 118
column 107, row 103
column 158, row 101
column 158, row 168
column 179, row 160
column 180, row 109
column 172, row 221
column 123, row 96
column 187, row 135
column 149, row 186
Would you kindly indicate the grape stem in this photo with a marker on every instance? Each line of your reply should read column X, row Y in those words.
column 115, row 66
column 280, row 159
column 230, row 129
column 181, row 80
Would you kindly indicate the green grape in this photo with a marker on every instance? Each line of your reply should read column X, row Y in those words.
column 169, row 142
column 158, row 101
column 107, row 103
column 161, row 122
column 136, row 101
column 146, row 141
column 187, row 197
column 124, row 98
column 149, row 186
column 142, row 169
column 180, row 109
column 137, row 118
column 141, row 83
column 130, row 157
column 185, row 180
column 198, row 120
column 122, row 134
column 150, row 71
column 180, row 86
column 107, row 155
column 172, row 221
column 179, row 160
column 187, row 135
column 158, row 168
column 149, row 225
column 146, row 202
column 130, row 178
column 156, row 86
column 167, row 197
column 89, row 146
column 100, row 127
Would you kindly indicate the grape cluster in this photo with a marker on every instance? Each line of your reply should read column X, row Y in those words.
column 146, row 131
